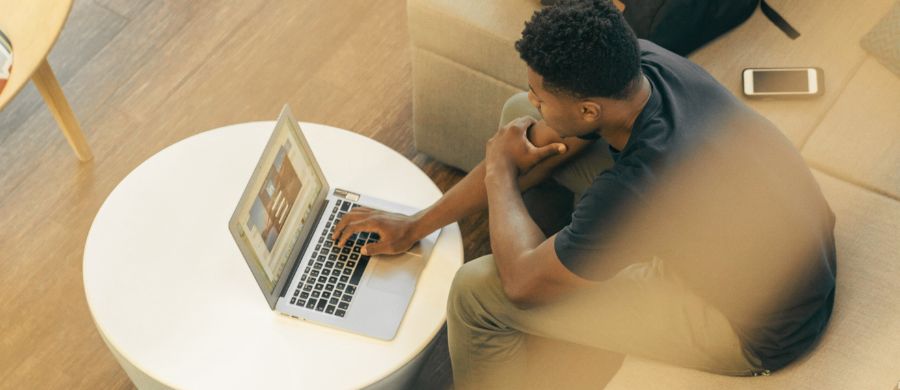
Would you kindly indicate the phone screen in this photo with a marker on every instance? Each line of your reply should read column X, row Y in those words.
column 781, row 81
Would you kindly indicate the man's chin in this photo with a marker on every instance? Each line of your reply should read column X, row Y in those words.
column 592, row 136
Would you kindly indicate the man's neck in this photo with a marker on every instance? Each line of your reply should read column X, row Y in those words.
column 617, row 136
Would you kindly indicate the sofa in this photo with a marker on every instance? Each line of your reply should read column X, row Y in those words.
column 465, row 67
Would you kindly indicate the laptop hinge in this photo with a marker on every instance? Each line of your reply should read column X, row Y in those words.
column 346, row 195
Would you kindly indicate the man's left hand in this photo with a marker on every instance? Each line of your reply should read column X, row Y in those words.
column 509, row 150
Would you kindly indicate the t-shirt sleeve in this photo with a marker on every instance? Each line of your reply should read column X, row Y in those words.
column 589, row 246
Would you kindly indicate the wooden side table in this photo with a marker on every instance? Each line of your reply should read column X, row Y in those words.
column 33, row 27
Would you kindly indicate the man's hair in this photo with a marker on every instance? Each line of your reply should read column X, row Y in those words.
column 583, row 47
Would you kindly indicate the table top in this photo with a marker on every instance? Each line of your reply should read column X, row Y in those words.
column 33, row 27
column 170, row 292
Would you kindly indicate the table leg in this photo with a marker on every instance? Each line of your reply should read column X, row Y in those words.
column 46, row 83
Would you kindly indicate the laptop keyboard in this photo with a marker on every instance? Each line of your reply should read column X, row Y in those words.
column 331, row 277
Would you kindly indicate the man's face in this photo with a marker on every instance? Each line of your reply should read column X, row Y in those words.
column 562, row 112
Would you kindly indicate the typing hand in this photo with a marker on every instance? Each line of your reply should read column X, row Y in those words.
column 395, row 230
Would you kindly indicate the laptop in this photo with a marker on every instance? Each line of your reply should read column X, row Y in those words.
column 283, row 225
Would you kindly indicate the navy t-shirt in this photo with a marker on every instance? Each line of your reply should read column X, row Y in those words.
column 724, row 199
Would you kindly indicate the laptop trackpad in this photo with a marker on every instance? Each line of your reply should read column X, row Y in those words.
column 396, row 274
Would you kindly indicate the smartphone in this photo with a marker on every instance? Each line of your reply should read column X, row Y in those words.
column 783, row 82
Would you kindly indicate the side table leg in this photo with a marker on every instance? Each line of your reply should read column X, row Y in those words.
column 46, row 83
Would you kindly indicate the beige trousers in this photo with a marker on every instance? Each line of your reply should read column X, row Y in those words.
column 643, row 311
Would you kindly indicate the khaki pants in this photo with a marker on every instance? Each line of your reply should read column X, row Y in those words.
column 643, row 311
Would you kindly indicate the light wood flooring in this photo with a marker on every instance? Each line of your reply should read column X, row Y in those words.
column 144, row 74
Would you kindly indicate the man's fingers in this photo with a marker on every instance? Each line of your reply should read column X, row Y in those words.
column 376, row 248
column 549, row 151
column 339, row 227
column 347, row 231
column 353, row 216
column 521, row 122
column 524, row 123
column 360, row 226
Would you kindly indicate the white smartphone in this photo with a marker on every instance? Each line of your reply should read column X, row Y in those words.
column 783, row 82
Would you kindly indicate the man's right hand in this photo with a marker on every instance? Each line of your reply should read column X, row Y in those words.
column 395, row 230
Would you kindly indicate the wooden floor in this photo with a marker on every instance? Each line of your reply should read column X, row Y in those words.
column 142, row 75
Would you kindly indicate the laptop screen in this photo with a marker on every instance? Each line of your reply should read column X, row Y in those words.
column 278, row 201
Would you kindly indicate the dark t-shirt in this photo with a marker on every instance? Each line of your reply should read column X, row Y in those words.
column 724, row 199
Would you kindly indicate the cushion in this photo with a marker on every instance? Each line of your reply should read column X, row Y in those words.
column 883, row 41
column 860, row 345
column 829, row 40
column 456, row 109
column 859, row 139
column 477, row 34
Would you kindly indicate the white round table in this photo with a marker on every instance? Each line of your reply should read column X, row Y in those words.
column 177, row 305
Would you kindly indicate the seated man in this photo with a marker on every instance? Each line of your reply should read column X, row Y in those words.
column 705, row 242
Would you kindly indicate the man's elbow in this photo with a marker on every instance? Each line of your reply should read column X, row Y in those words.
column 521, row 296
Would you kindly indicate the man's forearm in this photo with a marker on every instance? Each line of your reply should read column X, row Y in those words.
column 467, row 197
column 513, row 232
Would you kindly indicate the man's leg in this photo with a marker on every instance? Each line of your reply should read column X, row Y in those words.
column 549, row 205
column 642, row 311
column 518, row 106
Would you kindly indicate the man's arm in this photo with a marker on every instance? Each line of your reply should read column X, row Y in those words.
column 530, row 271
column 470, row 196
column 465, row 198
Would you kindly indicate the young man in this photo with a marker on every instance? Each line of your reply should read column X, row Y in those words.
column 704, row 243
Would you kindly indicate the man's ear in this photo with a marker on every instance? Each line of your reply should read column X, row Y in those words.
column 591, row 111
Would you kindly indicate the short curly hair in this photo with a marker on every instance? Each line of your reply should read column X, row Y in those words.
column 583, row 47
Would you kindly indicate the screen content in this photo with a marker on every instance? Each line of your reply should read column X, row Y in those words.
column 271, row 221
column 5, row 60
column 780, row 81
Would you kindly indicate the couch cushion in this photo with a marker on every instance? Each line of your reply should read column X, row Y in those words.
column 860, row 347
column 859, row 139
column 883, row 42
column 830, row 39
column 478, row 34
column 464, row 109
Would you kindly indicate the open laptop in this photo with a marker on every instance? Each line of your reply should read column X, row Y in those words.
column 283, row 226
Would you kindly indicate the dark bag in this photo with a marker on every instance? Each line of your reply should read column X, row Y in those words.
column 682, row 26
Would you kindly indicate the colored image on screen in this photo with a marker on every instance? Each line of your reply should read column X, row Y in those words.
column 275, row 199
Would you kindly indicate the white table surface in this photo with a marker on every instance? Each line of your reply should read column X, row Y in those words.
column 172, row 295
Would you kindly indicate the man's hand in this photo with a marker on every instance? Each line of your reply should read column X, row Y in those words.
column 509, row 150
column 396, row 230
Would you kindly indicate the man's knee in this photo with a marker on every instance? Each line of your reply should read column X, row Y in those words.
column 474, row 282
column 517, row 106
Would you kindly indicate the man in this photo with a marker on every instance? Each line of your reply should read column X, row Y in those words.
column 705, row 243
